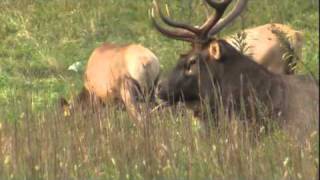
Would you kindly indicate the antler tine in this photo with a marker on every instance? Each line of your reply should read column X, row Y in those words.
column 220, row 8
column 218, row 5
column 178, row 34
column 192, row 34
column 241, row 4
column 175, row 24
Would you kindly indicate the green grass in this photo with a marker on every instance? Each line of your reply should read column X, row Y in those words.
column 41, row 39
column 106, row 145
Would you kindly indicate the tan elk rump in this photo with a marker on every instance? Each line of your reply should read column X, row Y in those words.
column 267, row 46
column 122, row 74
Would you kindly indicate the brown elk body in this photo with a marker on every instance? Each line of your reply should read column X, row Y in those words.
column 267, row 46
column 215, row 73
column 120, row 74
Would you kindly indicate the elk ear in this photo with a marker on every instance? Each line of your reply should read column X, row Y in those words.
column 214, row 50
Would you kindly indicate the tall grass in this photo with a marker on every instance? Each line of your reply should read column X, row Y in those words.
column 106, row 145
column 41, row 39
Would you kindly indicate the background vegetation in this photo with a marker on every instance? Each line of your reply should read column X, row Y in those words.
column 40, row 39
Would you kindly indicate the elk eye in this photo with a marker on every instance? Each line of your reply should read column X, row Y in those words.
column 190, row 64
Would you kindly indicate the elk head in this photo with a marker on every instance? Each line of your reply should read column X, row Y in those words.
column 199, row 68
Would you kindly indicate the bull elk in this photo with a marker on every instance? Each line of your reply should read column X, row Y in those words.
column 119, row 74
column 215, row 72
column 278, row 47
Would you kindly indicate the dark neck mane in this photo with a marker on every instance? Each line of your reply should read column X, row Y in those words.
column 242, row 76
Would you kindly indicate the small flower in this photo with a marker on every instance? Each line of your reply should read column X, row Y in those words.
column 37, row 167
column 7, row 160
column 286, row 161
column 214, row 147
column 299, row 176
column 262, row 128
column 22, row 115
column 75, row 66
column 75, row 167
column 66, row 112
column 113, row 161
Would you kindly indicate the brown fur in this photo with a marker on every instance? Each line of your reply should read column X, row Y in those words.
column 123, row 74
column 225, row 80
column 236, row 83
column 265, row 46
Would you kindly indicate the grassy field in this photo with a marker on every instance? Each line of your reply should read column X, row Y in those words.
column 41, row 39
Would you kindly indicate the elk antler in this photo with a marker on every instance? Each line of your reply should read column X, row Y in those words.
column 220, row 8
column 211, row 27
column 182, row 32
column 235, row 12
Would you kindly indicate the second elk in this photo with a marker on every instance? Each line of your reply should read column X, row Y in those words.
column 277, row 47
column 124, row 74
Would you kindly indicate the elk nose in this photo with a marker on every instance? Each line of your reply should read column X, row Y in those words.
column 161, row 89
column 160, row 94
column 158, row 89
